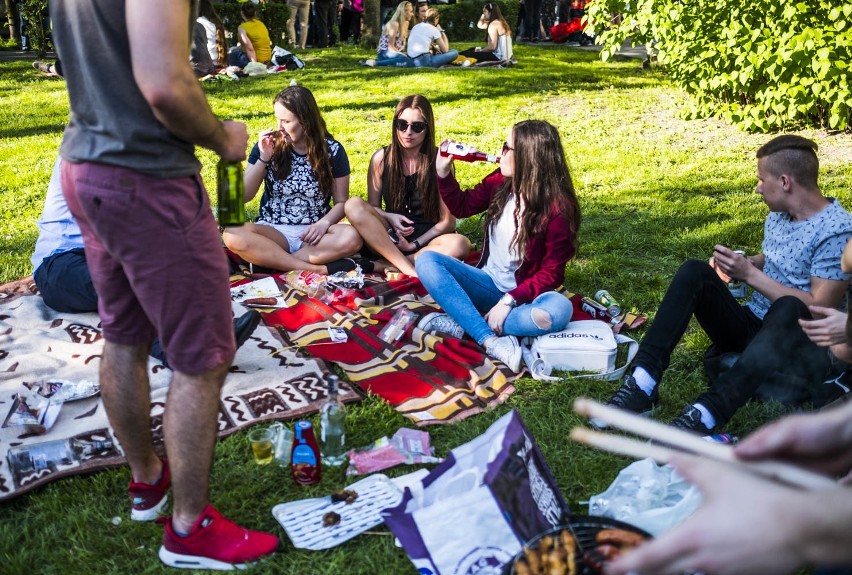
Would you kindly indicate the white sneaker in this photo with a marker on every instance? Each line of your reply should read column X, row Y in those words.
column 441, row 323
column 507, row 350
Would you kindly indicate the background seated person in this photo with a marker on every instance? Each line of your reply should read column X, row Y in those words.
column 255, row 45
column 391, row 50
column 199, row 57
column 497, row 34
column 302, row 168
column 215, row 30
column 423, row 37
column 402, row 195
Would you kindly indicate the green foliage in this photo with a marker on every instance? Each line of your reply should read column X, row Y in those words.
column 35, row 11
column 761, row 65
column 654, row 189
column 459, row 20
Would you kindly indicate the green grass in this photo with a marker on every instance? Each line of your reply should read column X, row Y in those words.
column 654, row 190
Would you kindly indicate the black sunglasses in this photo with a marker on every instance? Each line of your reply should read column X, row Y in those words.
column 416, row 127
column 506, row 147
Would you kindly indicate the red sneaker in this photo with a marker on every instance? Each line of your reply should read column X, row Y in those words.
column 214, row 543
column 148, row 500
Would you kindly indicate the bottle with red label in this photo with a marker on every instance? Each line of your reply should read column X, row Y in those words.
column 305, row 463
column 465, row 153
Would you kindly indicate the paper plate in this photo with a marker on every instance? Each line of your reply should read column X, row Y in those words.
column 303, row 519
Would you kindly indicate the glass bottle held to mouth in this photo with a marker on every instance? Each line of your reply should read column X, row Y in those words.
column 466, row 153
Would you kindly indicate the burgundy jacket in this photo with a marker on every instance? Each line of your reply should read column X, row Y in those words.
column 543, row 266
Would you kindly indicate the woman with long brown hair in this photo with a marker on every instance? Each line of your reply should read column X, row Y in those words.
column 531, row 222
column 403, row 215
column 497, row 34
column 303, row 168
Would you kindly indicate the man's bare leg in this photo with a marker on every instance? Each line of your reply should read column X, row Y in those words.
column 126, row 394
column 190, row 428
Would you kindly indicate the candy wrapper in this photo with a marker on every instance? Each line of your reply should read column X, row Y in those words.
column 409, row 446
column 353, row 279
column 36, row 406
column 401, row 321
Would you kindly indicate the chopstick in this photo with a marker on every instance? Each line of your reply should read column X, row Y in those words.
column 676, row 440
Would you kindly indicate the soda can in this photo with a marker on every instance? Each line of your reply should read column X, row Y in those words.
column 737, row 288
column 604, row 298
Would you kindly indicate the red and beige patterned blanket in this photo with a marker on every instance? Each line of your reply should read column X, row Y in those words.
column 428, row 379
column 268, row 381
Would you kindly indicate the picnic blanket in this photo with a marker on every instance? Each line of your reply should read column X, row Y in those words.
column 268, row 381
column 427, row 378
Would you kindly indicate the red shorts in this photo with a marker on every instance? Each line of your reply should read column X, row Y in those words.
column 156, row 261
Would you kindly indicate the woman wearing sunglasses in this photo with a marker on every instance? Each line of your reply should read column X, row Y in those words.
column 531, row 222
column 302, row 168
column 403, row 216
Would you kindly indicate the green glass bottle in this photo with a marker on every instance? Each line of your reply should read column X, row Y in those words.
column 231, row 193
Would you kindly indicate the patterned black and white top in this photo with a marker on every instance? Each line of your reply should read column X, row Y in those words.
column 795, row 251
column 297, row 198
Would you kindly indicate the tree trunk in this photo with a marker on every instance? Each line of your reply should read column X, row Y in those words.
column 372, row 24
column 12, row 20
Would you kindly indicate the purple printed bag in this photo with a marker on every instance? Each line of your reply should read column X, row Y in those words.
column 473, row 512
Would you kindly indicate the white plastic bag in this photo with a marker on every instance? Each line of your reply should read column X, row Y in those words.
column 650, row 496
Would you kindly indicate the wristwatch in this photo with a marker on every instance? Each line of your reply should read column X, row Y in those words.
column 508, row 300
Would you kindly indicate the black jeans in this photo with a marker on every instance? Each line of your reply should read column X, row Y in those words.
column 772, row 348
column 326, row 16
column 532, row 19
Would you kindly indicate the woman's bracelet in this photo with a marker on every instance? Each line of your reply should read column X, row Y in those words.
column 259, row 159
column 417, row 244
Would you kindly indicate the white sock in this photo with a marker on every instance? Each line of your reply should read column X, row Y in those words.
column 708, row 420
column 644, row 380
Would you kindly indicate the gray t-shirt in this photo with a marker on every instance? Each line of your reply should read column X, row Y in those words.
column 795, row 251
column 111, row 122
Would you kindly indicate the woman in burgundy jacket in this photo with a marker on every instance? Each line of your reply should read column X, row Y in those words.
column 531, row 222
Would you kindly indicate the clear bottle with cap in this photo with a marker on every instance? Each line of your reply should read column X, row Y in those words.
column 465, row 153
column 230, row 190
column 333, row 426
column 51, row 454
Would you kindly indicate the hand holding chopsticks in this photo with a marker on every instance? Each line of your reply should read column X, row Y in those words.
column 670, row 441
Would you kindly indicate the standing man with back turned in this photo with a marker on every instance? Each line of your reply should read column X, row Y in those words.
column 131, row 179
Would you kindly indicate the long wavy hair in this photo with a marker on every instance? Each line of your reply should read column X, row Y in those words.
column 393, row 176
column 207, row 10
column 494, row 13
column 541, row 182
column 301, row 103
column 398, row 17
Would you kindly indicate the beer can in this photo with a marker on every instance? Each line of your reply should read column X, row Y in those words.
column 737, row 288
column 604, row 298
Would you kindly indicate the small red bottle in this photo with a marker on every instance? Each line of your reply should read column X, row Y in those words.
column 305, row 463
column 465, row 153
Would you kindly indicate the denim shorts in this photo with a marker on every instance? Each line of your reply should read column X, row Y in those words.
column 156, row 260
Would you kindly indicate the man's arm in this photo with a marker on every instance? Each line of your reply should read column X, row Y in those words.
column 245, row 42
column 158, row 32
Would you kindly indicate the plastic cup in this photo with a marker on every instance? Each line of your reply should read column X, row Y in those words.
column 262, row 443
column 283, row 443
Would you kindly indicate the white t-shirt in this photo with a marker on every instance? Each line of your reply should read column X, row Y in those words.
column 503, row 258
column 420, row 39
column 210, row 28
